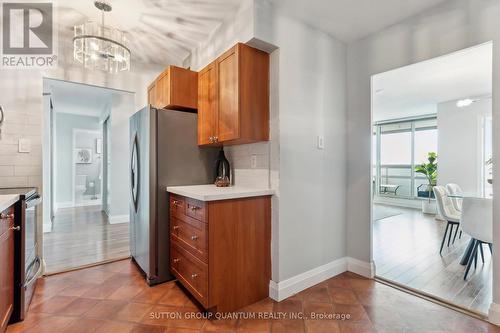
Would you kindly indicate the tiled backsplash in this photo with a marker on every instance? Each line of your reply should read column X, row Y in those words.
column 240, row 158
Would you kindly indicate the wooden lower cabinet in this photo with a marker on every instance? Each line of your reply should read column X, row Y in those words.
column 6, row 268
column 221, row 250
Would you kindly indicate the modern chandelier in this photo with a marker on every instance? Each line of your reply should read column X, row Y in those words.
column 101, row 47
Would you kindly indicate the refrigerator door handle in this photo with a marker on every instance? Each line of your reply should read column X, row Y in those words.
column 134, row 172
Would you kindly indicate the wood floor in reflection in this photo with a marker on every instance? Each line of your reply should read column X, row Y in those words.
column 406, row 250
column 82, row 236
column 114, row 298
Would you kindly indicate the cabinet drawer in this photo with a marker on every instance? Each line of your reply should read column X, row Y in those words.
column 177, row 206
column 190, row 271
column 196, row 209
column 192, row 236
column 7, row 222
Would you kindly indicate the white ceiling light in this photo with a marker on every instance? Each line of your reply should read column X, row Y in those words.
column 465, row 102
column 97, row 46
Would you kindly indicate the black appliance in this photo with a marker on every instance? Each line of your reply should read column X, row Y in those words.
column 222, row 170
column 163, row 152
column 27, row 264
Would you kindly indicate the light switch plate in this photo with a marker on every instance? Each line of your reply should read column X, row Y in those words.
column 24, row 145
column 321, row 142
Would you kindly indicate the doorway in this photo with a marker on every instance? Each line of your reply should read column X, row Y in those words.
column 430, row 133
column 88, row 131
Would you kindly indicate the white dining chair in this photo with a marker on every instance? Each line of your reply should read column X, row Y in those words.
column 447, row 210
column 477, row 221
column 455, row 190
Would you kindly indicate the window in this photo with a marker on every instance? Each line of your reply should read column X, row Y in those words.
column 402, row 145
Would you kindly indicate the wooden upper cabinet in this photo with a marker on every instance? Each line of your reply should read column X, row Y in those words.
column 175, row 88
column 207, row 104
column 240, row 111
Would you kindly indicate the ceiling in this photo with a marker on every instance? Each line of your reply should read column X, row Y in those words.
column 80, row 99
column 160, row 31
column 416, row 89
column 349, row 20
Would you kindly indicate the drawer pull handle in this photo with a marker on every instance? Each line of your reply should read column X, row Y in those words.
column 176, row 260
column 194, row 276
column 194, row 237
column 6, row 216
column 175, row 202
column 194, row 208
column 176, row 227
column 15, row 228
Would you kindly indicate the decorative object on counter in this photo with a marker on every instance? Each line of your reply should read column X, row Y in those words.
column 101, row 47
column 222, row 170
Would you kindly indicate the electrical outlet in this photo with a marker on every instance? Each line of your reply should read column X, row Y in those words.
column 24, row 145
column 253, row 161
column 321, row 142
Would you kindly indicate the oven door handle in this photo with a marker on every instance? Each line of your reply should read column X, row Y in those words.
column 34, row 276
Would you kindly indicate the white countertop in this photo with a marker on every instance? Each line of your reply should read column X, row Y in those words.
column 7, row 200
column 213, row 193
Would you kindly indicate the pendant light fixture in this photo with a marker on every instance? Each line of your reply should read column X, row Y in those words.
column 101, row 47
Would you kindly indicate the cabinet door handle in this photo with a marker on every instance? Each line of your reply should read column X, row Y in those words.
column 194, row 276
column 176, row 260
column 216, row 139
column 175, row 202
column 194, row 237
column 193, row 208
column 18, row 228
column 175, row 227
column 211, row 139
column 6, row 216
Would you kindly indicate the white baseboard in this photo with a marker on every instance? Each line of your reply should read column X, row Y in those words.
column 363, row 268
column 494, row 314
column 115, row 219
column 284, row 289
column 289, row 287
column 65, row 204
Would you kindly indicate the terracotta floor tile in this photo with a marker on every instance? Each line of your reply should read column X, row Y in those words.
column 288, row 326
column 317, row 294
column 160, row 315
column 53, row 324
column 133, row 312
column 115, row 326
column 288, row 306
column 339, row 282
column 105, row 309
column 322, row 326
column 254, row 325
column 127, row 292
column 221, row 326
column 77, row 290
column 317, row 310
column 356, row 312
column 342, row 296
column 139, row 328
column 78, row 307
column 84, row 325
column 180, row 330
column 356, row 327
column 175, row 297
column 53, row 305
column 67, row 303
column 152, row 295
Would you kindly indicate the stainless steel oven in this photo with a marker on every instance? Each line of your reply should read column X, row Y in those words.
column 27, row 264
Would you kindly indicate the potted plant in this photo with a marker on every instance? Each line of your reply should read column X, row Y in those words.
column 489, row 164
column 429, row 170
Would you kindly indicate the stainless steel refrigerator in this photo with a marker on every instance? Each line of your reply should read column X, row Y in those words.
column 163, row 152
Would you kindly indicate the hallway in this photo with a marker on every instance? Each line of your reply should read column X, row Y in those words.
column 81, row 236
